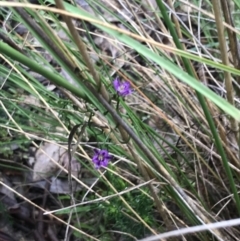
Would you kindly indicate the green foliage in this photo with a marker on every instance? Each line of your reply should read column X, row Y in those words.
column 117, row 217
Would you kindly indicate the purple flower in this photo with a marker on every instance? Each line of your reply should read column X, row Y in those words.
column 123, row 88
column 101, row 158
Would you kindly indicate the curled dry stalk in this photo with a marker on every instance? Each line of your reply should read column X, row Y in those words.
column 224, row 56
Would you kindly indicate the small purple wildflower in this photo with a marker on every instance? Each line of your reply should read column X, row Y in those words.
column 101, row 158
column 123, row 88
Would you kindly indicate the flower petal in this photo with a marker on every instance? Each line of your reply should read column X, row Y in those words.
column 101, row 158
column 96, row 151
column 123, row 88
column 104, row 153
column 97, row 166
column 104, row 163
column 116, row 83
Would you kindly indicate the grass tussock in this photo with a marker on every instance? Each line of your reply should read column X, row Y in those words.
column 119, row 120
